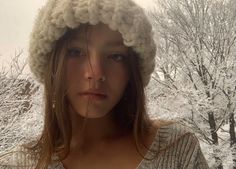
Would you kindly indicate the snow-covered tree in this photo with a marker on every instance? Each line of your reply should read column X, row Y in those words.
column 18, row 113
column 196, row 42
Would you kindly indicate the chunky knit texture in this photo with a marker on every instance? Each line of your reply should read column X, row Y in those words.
column 182, row 153
column 123, row 16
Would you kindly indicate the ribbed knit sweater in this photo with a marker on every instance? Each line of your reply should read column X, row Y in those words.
column 177, row 149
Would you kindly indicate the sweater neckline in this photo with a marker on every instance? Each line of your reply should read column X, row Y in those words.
column 148, row 154
column 154, row 146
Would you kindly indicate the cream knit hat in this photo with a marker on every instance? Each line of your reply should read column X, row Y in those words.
column 124, row 16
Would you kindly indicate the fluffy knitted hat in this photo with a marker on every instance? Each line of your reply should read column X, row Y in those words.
column 123, row 16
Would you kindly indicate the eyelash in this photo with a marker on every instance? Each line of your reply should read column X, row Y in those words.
column 117, row 57
column 76, row 52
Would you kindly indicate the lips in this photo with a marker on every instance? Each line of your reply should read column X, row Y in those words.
column 94, row 94
column 97, row 95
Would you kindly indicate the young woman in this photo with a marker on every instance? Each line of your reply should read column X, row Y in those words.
column 94, row 58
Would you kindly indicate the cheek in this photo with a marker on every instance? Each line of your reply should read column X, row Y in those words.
column 119, row 78
column 73, row 72
column 121, row 73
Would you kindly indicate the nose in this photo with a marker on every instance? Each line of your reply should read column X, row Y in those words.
column 95, row 67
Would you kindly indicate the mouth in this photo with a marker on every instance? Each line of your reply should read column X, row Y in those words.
column 93, row 96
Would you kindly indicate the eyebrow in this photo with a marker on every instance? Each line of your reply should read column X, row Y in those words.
column 115, row 43
column 110, row 43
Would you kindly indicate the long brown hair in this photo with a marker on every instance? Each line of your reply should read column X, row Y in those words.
column 56, row 134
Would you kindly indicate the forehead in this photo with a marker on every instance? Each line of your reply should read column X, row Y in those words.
column 99, row 33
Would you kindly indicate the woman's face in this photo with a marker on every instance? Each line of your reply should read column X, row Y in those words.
column 96, row 71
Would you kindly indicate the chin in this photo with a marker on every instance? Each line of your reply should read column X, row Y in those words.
column 91, row 111
column 95, row 115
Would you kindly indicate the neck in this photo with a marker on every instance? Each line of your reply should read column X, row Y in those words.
column 92, row 131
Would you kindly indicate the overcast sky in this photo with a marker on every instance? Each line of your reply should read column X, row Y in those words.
column 16, row 20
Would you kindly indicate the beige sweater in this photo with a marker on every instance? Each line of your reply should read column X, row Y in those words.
column 174, row 153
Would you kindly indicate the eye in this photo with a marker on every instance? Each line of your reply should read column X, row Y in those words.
column 74, row 52
column 117, row 57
